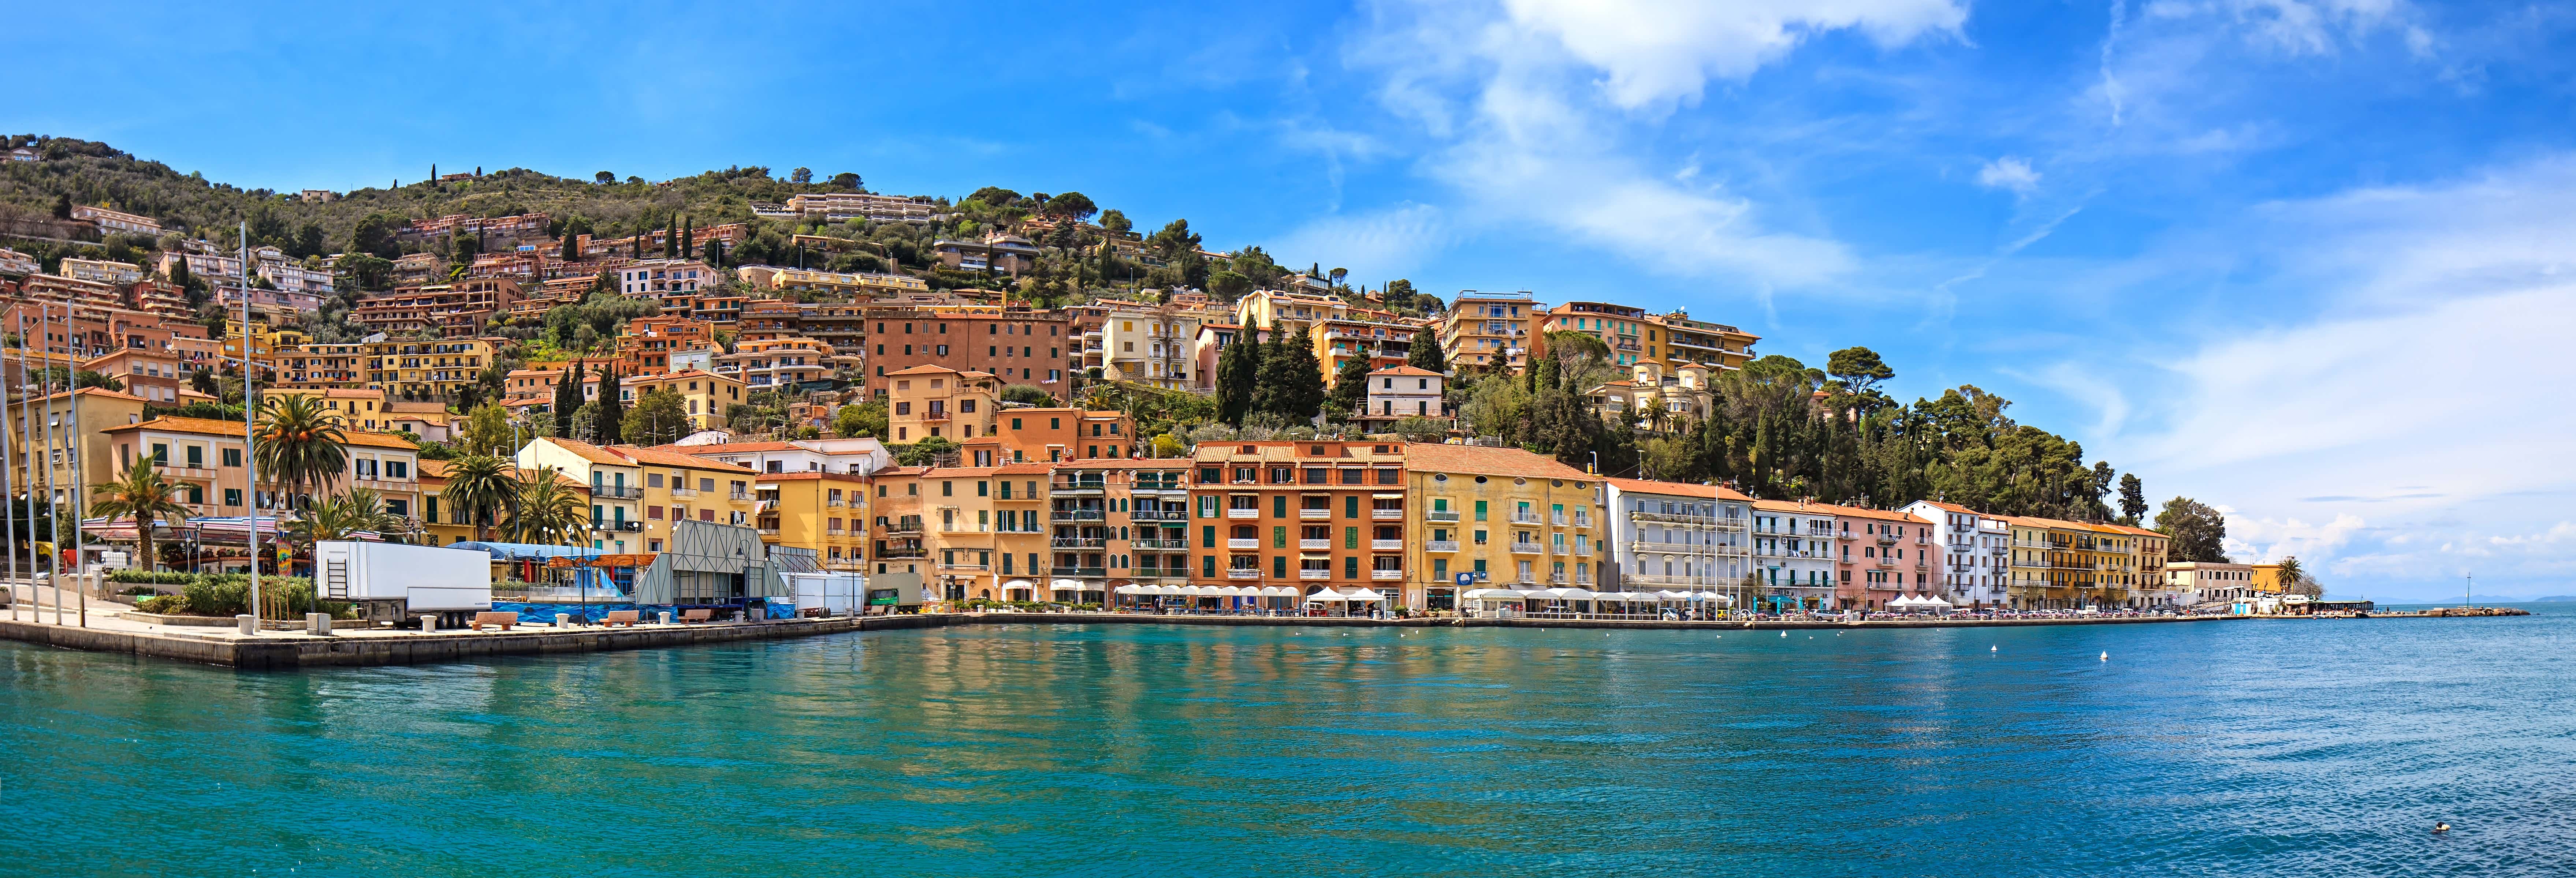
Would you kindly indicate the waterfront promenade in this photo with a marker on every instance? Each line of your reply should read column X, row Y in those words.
column 108, row 630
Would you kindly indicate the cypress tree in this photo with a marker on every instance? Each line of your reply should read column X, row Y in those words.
column 688, row 235
column 567, row 399
column 671, row 239
column 571, row 246
column 1350, row 383
column 1426, row 352
column 612, row 411
column 715, row 253
column 1237, row 377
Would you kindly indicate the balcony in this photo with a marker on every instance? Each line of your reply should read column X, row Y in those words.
column 1582, row 579
column 1243, row 573
column 617, row 492
column 834, row 502
column 1243, row 544
column 1386, row 545
column 1078, row 515
column 766, row 531
column 835, row 532
column 903, row 527
column 1314, row 573
column 1583, row 521
column 1441, row 546
column 1448, row 515
column 1243, row 513
column 738, row 496
column 903, row 552
column 1884, row 561
column 1158, row 515
column 1078, row 543
column 1557, row 549
column 1828, row 535
column 1314, row 514
column 1396, row 514
column 1080, row 571
column 1386, row 575
column 1315, row 545
column 934, row 416
column 1161, row 573
column 963, row 565
column 1557, row 578
column 1557, row 519
column 1077, row 489
column 1520, row 548
column 1884, row 538
column 1525, row 518
column 684, row 493
column 1150, row 543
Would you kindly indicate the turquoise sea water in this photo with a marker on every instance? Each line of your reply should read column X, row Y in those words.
column 2234, row 748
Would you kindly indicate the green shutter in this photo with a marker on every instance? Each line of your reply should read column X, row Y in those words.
column 1208, row 565
column 1278, row 566
column 1279, row 506
column 1351, row 506
column 1207, row 536
column 1350, row 567
column 1279, row 536
column 1350, row 538
column 1480, row 510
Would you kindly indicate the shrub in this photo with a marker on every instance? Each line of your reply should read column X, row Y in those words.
column 150, row 577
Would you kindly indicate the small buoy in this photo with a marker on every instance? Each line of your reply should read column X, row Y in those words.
column 1784, row 634
column 2106, row 656
column 2441, row 827
column 1994, row 649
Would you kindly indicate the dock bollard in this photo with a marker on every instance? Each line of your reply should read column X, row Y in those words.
column 666, row 617
column 249, row 623
column 429, row 624
column 317, row 623
column 563, row 620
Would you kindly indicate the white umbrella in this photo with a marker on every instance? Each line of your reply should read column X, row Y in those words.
column 1325, row 596
column 1532, row 593
column 1166, row 590
column 1130, row 589
column 1065, row 585
column 1488, row 594
column 1278, row 591
column 1365, row 595
column 1569, row 594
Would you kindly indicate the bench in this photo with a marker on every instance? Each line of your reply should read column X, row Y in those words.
column 816, row 612
column 697, row 615
column 627, row 618
column 503, row 619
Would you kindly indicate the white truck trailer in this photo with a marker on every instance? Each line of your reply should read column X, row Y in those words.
column 394, row 582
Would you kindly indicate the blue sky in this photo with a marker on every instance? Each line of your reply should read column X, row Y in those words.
column 2304, row 259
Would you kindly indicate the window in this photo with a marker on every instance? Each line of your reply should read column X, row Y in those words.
column 232, row 457
column 232, row 497
column 1480, row 516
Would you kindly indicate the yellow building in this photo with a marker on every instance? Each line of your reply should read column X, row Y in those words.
column 1149, row 344
column 636, row 492
column 926, row 401
column 358, row 409
column 704, row 395
column 267, row 344
column 985, row 532
column 2147, row 551
column 427, row 369
column 32, row 423
column 1487, row 329
column 774, row 278
column 824, row 512
column 1523, row 520
column 2059, row 565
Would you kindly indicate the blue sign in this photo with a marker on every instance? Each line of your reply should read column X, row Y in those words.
column 1470, row 577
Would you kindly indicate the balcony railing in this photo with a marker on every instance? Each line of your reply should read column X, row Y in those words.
column 1441, row 545
column 1243, row 543
column 903, row 527
column 1525, row 518
column 1243, row 513
column 1386, row 545
column 1149, row 543
column 1079, row 543
column 1080, row 571
column 1313, row 573
column 902, row 552
column 1385, row 575
column 1440, row 515
column 1520, row 548
column 1077, row 487
column 1243, row 573
column 617, row 492
column 1314, row 545
column 1078, row 515
column 1158, row 515
column 684, row 493
column 1386, row 514
column 738, row 496
column 1312, row 514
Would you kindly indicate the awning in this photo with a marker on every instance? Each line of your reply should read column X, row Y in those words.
column 1130, row 589
column 1019, row 583
column 1325, row 596
column 1365, row 595
column 1491, row 594
column 1390, row 495
column 1068, row 585
column 1278, row 591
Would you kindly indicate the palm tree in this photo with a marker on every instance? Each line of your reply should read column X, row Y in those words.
column 299, row 444
column 548, row 513
column 146, row 496
column 480, row 486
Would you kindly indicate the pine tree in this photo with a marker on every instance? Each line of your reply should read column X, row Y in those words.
column 1292, row 380
column 1426, row 352
column 715, row 253
column 612, row 411
column 1237, row 377
column 688, row 235
column 567, row 399
column 671, row 239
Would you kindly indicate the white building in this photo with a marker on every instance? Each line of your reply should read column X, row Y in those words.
column 860, row 456
column 101, row 271
column 1149, row 344
column 13, row 262
column 652, row 278
column 1676, row 536
column 1793, row 552
column 1404, row 392
column 1975, row 552
column 2200, row 582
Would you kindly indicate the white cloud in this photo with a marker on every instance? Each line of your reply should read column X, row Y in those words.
column 1533, row 106
column 1656, row 52
column 2268, row 540
column 1389, row 242
column 2009, row 173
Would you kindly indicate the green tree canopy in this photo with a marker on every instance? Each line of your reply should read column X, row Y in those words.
column 2198, row 532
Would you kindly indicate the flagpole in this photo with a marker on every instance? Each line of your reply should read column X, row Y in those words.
column 8, row 464
column 250, row 451
column 44, row 390
column 80, row 487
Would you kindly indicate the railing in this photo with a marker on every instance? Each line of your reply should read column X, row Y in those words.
column 1077, row 487
column 1557, row 519
column 1243, row 513
column 1243, row 573
column 1583, row 579
column 684, row 493
column 1736, row 523
column 1233, row 543
column 618, row 492
column 1386, row 545
column 934, row 416
column 1385, row 575
column 1441, row 545
column 1884, row 561
column 1079, row 543
column 835, row 532
column 1078, row 515
column 738, row 496
column 1557, row 549
column 1450, row 515
column 1885, row 538
column 1312, row 573
column 1080, row 571
column 903, row 552
column 1159, row 515
column 1314, row 545
column 1519, row 548
column 1525, row 518
column 1314, row 514
column 1556, row 578
column 767, row 531
column 903, row 527
column 1583, row 521
column 1386, row 514
column 1153, row 543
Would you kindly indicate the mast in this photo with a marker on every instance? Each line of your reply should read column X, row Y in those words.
column 250, row 457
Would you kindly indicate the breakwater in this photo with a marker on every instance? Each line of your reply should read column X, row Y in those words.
column 290, row 651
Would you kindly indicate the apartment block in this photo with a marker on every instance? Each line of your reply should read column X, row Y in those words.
column 1015, row 346
column 1794, row 552
column 831, row 282
column 116, row 221
column 1975, row 552
column 824, row 512
column 638, row 493
column 1881, row 556
column 999, row 252
column 645, row 344
column 704, row 395
column 101, row 271
column 1676, row 536
column 1342, row 504
column 450, row 310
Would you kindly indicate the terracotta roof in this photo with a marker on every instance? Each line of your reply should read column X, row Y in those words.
column 727, row 446
column 329, row 392
column 1679, row 489
column 1880, row 514
column 1406, row 370
column 176, row 424
column 924, row 369
column 812, row 475
column 91, row 391
column 1793, row 506
column 587, row 451
column 1487, row 460
column 377, row 440
column 1953, row 507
